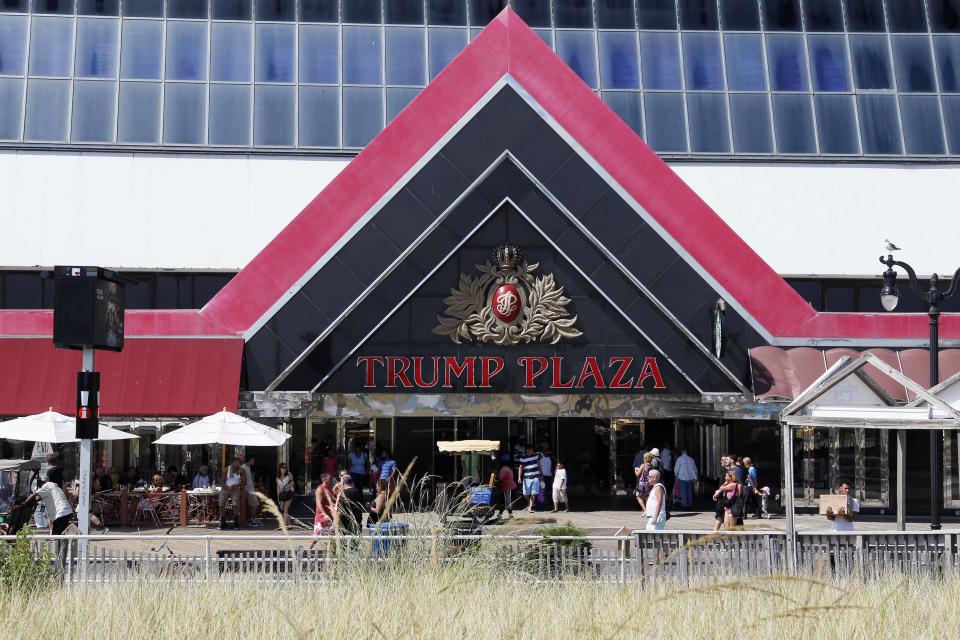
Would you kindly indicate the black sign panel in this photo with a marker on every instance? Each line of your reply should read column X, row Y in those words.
column 88, row 309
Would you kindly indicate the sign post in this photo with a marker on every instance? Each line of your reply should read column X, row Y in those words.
column 87, row 412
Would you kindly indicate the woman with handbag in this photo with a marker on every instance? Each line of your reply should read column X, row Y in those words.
column 730, row 496
column 286, row 489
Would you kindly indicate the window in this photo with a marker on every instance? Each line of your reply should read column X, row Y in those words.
column 319, row 117
column 405, row 56
column 666, row 125
column 47, row 103
column 451, row 12
column 951, row 119
column 231, row 51
column 62, row 7
column 186, row 50
column 98, row 7
column 946, row 49
column 836, row 124
column 878, row 124
column 618, row 60
column 736, row 15
column 913, row 64
column 281, row 10
column 750, row 114
column 94, row 106
column 361, row 55
column 657, row 14
column 232, row 10
column 745, row 68
column 275, row 53
column 787, row 62
column 698, row 14
column 823, row 15
column 142, row 55
column 871, row 62
column 273, row 115
column 196, row 9
column 96, row 54
column 138, row 119
column 11, row 108
column 444, row 45
column 51, row 46
column 319, row 11
column 573, row 13
column 13, row 45
column 143, row 8
column 627, row 105
column 362, row 115
column 578, row 50
column 611, row 14
column 866, row 15
column 230, row 112
column 319, row 54
column 794, row 124
column 403, row 11
column 944, row 15
column 15, row 5
column 398, row 98
column 184, row 114
column 361, row 11
column 483, row 11
column 922, row 133
column 828, row 54
column 907, row 16
column 702, row 63
column 707, row 114
column 660, row 60
column 781, row 15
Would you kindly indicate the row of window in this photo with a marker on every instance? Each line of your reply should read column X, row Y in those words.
column 906, row 16
column 192, row 290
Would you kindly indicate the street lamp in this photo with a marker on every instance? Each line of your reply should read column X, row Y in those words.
column 889, row 297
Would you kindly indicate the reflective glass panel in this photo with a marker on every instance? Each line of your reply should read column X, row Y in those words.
column 319, row 11
column 698, row 14
column 319, row 54
column 13, row 45
column 836, row 124
column 51, row 45
column 823, row 15
column 19, row 6
column 793, row 118
column 452, row 12
column 879, row 129
column 361, row 11
column 951, row 120
column 138, row 120
column 230, row 111
column 781, row 15
column 750, row 115
column 707, row 114
column 362, row 115
column 618, row 60
column 398, row 98
column 906, row 15
column 319, row 117
column 913, row 64
column 787, row 62
column 573, row 13
column 273, row 116
column 97, row 45
column 232, row 10
column 141, row 57
column 944, row 15
column 871, row 62
column 444, row 45
column 660, row 60
column 483, row 11
column 405, row 56
column 946, row 49
column 11, row 108
column 186, row 50
column 184, row 113
column 280, row 10
column 579, row 50
column 98, row 7
column 627, row 105
column 922, row 133
column 536, row 13
column 737, row 15
column 866, row 15
column 403, row 11
column 703, row 66
column 94, row 108
column 828, row 54
column 611, row 14
column 745, row 68
column 143, row 8
column 62, row 7
column 47, row 105
column 666, row 123
column 657, row 14
column 187, row 9
column 361, row 55
column 231, row 52
column 275, row 53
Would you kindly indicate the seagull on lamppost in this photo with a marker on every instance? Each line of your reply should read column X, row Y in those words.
column 891, row 247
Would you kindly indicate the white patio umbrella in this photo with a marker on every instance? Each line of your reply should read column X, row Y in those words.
column 226, row 428
column 54, row 427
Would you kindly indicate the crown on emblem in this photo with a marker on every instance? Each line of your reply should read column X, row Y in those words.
column 507, row 256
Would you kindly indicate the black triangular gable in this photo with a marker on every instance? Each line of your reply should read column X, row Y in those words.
column 541, row 173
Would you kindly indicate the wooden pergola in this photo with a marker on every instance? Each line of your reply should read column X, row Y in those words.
column 846, row 396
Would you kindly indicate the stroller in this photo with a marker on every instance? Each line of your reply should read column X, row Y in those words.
column 16, row 478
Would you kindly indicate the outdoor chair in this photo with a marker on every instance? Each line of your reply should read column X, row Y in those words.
column 145, row 511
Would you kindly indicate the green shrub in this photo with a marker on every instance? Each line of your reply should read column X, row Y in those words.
column 569, row 529
column 20, row 569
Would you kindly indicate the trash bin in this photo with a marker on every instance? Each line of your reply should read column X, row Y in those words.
column 463, row 527
column 382, row 532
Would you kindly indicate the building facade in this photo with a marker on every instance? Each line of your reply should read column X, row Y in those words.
column 498, row 254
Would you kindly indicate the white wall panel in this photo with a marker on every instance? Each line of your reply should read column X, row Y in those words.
column 144, row 211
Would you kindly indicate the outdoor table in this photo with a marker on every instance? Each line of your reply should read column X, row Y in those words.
column 119, row 507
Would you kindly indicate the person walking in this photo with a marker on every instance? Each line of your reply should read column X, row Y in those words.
column 249, row 493
column 666, row 456
column 286, row 489
column 324, row 503
column 349, row 508
column 559, row 488
column 507, row 484
column 357, row 464
column 841, row 520
column 546, row 473
column 231, row 486
column 59, row 509
column 753, row 490
column 643, row 480
column 379, row 505
column 388, row 470
column 686, row 474
column 656, row 510
column 530, row 476
column 729, row 497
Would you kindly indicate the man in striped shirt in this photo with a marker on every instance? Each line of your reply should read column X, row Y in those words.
column 530, row 475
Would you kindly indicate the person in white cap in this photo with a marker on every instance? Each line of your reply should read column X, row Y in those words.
column 656, row 463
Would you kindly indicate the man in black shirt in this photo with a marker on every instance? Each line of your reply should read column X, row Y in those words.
column 350, row 507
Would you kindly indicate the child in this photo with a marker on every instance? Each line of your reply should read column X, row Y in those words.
column 764, row 501
column 560, row 488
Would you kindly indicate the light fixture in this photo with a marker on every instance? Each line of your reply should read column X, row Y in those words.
column 889, row 296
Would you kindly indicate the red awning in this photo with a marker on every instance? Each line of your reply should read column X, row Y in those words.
column 782, row 374
column 160, row 377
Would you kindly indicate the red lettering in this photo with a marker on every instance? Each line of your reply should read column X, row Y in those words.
column 418, row 372
column 591, row 369
column 530, row 372
column 394, row 373
column 651, row 370
column 487, row 363
column 450, row 365
column 556, row 362
column 369, row 361
column 622, row 364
